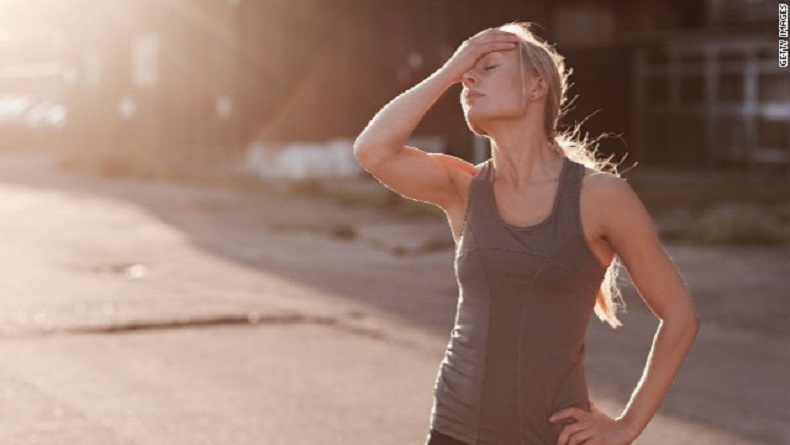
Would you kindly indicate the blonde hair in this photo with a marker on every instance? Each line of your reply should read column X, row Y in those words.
column 543, row 60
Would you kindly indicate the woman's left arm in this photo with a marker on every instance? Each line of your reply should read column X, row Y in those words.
column 629, row 229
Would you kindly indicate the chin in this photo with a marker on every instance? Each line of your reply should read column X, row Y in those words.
column 474, row 125
column 476, row 119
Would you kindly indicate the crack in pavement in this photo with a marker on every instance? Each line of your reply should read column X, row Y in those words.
column 342, row 322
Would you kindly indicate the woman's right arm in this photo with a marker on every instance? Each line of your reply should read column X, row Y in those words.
column 409, row 171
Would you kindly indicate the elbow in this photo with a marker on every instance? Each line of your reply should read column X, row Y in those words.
column 687, row 322
column 694, row 328
column 694, row 320
column 362, row 151
column 358, row 145
column 697, row 324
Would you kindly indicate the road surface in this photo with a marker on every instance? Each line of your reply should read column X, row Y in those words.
column 151, row 313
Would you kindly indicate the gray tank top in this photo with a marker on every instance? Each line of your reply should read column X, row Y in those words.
column 526, row 296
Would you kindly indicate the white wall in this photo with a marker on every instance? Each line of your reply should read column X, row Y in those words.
column 315, row 160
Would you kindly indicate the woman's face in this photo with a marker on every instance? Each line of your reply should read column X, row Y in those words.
column 492, row 89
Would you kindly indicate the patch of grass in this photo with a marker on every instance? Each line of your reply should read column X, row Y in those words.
column 307, row 187
column 378, row 199
column 719, row 210
column 409, row 209
column 676, row 233
column 437, row 244
column 740, row 224
column 400, row 251
column 342, row 231
column 693, row 200
column 723, row 224
column 138, row 165
column 740, row 234
column 698, row 194
column 384, row 199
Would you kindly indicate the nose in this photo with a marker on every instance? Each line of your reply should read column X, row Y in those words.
column 468, row 79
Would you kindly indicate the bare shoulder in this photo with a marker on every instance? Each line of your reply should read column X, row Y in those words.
column 615, row 208
column 611, row 204
column 607, row 188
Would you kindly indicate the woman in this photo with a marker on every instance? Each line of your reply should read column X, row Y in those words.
column 537, row 228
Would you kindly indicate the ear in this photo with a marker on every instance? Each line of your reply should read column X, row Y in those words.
column 539, row 88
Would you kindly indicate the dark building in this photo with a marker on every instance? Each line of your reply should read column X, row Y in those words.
column 713, row 94
column 193, row 83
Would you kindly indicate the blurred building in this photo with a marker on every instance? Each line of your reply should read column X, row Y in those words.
column 196, row 83
column 151, row 81
column 713, row 94
column 31, row 91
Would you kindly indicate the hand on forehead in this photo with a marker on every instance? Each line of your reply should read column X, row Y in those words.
column 494, row 56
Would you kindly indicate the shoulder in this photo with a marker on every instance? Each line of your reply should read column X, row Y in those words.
column 619, row 211
column 613, row 200
column 607, row 188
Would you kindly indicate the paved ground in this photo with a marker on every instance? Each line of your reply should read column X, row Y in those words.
column 139, row 313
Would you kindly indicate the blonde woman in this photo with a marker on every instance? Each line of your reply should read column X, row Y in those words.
column 539, row 228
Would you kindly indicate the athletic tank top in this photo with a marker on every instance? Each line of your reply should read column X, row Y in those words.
column 526, row 295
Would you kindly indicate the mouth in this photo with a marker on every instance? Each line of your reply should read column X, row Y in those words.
column 472, row 95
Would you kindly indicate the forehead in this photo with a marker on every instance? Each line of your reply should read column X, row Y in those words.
column 497, row 56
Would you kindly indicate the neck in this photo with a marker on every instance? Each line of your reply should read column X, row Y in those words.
column 523, row 155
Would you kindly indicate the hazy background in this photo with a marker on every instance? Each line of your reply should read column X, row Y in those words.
column 191, row 253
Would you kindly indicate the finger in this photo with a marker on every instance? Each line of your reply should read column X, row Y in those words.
column 567, row 413
column 581, row 436
column 483, row 40
column 482, row 51
column 497, row 46
column 492, row 34
column 566, row 434
column 485, row 48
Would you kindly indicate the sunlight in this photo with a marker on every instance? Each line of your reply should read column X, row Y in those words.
column 26, row 25
column 22, row 14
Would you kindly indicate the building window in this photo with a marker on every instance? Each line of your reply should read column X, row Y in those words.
column 145, row 60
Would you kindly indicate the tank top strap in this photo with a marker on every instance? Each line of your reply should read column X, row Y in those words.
column 569, row 203
column 572, row 182
column 477, row 196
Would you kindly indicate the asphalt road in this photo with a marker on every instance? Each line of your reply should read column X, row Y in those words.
column 147, row 313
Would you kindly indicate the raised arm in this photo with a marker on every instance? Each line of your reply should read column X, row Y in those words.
column 409, row 171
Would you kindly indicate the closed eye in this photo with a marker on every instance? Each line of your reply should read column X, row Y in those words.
column 489, row 68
